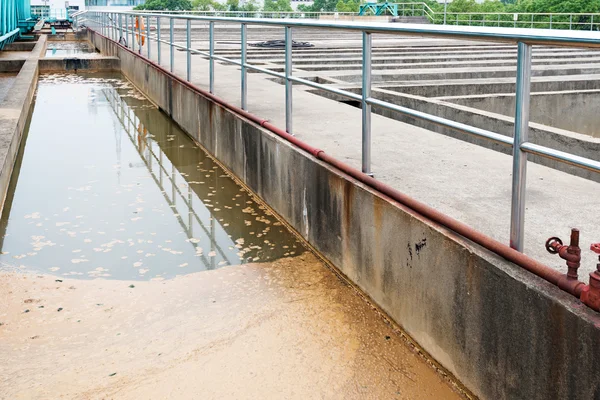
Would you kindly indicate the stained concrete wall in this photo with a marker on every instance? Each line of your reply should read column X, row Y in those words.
column 504, row 333
column 14, row 113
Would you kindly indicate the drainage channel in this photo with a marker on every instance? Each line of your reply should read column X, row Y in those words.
column 107, row 187
column 116, row 190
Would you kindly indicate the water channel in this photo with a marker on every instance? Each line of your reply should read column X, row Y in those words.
column 109, row 187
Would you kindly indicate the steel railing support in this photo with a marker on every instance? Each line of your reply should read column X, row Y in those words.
column 288, row 82
column 148, row 36
column 244, row 80
column 519, row 170
column 211, row 60
column 158, row 39
column 365, row 106
column 188, row 37
column 171, row 52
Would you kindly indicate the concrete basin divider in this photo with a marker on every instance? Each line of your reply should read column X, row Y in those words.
column 14, row 113
column 503, row 332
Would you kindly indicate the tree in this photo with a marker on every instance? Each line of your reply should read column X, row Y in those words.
column 319, row 6
column 277, row 5
column 347, row 5
column 171, row 5
column 202, row 5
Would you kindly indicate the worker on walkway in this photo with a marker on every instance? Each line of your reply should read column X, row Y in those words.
column 139, row 28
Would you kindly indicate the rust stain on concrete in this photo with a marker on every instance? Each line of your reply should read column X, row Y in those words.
column 289, row 329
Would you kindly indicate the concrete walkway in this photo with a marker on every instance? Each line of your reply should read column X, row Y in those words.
column 466, row 181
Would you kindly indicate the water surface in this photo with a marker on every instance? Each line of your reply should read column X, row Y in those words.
column 109, row 187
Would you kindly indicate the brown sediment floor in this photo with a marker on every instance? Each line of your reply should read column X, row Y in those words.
column 289, row 329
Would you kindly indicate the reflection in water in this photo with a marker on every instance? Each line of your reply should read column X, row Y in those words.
column 110, row 187
column 62, row 49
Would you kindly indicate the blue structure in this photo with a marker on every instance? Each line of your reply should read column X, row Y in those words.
column 15, row 19
column 378, row 9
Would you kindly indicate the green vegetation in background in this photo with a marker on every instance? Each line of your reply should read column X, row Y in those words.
column 461, row 12
column 171, row 5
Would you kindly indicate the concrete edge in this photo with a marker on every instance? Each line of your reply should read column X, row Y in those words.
column 14, row 114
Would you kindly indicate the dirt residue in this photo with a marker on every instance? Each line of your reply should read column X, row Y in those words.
column 289, row 329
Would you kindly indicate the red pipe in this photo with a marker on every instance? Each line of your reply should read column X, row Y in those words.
column 573, row 286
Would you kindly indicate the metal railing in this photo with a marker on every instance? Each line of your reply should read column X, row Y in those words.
column 119, row 25
column 569, row 21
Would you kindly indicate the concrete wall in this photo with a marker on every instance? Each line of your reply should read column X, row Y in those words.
column 574, row 111
column 504, row 333
column 14, row 114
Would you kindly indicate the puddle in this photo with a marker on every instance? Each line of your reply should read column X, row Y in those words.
column 63, row 49
column 108, row 187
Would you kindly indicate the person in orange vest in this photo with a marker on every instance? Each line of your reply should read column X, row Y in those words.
column 139, row 27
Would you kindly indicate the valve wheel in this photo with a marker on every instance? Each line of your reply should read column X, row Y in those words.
column 595, row 247
column 551, row 250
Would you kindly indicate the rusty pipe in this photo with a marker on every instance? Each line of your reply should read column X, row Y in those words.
column 543, row 271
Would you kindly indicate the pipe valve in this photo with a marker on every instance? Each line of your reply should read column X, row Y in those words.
column 591, row 293
column 571, row 253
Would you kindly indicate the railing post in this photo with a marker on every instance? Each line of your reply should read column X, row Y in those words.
column 592, row 23
column 570, row 21
column 171, row 54
column 244, row 84
column 288, row 82
column 365, row 106
column 158, row 39
column 445, row 7
column 532, row 20
column 139, row 20
column 132, row 24
column 211, row 53
column 188, row 37
column 120, row 27
column 498, row 20
column 148, row 35
column 550, row 21
column 519, row 171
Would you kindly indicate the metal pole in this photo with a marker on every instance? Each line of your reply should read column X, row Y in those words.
column 244, row 71
column 132, row 33
column 550, row 21
column 120, row 27
column 172, row 55
column 211, row 53
column 158, row 38
column 592, row 23
column 189, row 46
column 148, row 35
column 140, row 19
column 519, row 173
column 570, row 21
column 445, row 7
column 498, row 20
column 532, row 20
column 288, row 82
column 366, row 107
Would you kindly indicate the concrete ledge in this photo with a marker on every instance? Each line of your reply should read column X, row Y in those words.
column 20, row 46
column 11, row 65
column 80, row 63
column 505, row 333
column 14, row 114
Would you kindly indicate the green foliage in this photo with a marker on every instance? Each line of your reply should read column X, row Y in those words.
column 347, row 5
column 277, row 5
column 319, row 6
column 171, row 5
